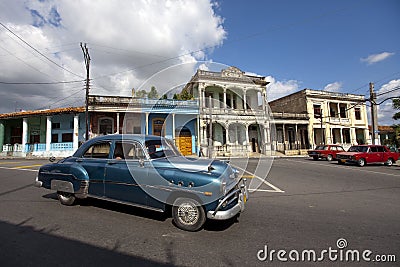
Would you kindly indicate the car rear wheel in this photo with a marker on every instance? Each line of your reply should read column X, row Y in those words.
column 329, row 157
column 389, row 162
column 188, row 214
column 315, row 158
column 361, row 162
column 65, row 198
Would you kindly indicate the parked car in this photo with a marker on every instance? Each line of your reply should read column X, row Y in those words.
column 327, row 152
column 363, row 154
column 148, row 172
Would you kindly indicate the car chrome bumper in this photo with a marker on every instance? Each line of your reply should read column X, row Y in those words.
column 37, row 182
column 239, row 207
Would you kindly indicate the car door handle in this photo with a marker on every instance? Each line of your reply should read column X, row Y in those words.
column 79, row 160
column 111, row 162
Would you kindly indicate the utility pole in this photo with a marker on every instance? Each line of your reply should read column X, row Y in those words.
column 374, row 114
column 86, row 57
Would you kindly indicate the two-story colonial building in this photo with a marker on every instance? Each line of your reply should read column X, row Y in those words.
column 334, row 118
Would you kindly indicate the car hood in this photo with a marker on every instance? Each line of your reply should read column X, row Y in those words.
column 191, row 164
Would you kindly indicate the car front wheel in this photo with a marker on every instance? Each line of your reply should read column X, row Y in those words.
column 188, row 214
column 389, row 162
column 361, row 162
column 329, row 158
column 65, row 198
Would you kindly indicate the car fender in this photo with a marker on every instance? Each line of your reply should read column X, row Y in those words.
column 65, row 177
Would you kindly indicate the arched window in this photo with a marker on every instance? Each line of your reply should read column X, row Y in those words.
column 106, row 126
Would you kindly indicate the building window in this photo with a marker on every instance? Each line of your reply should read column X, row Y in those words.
column 55, row 125
column 343, row 112
column 106, row 126
column 54, row 138
column 357, row 112
column 317, row 111
column 66, row 137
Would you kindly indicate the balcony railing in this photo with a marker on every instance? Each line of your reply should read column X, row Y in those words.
column 38, row 147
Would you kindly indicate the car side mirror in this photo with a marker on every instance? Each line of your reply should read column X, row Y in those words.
column 52, row 159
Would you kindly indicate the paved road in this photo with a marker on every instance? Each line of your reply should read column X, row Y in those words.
column 304, row 205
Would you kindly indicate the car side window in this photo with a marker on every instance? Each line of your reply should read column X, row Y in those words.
column 98, row 150
column 381, row 149
column 333, row 148
column 373, row 149
column 339, row 148
column 127, row 150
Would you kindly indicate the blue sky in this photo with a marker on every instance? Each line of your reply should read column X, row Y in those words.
column 313, row 42
column 325, row 45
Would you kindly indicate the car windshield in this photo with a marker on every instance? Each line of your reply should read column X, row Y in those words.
column 319, row 148
column 161, row 148
column 358, row 149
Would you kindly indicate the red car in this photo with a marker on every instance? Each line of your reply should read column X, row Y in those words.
column 363, row 154
column 327, row 152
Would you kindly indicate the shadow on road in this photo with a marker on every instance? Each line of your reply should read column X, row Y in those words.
column 102, row 204
column 25, row 246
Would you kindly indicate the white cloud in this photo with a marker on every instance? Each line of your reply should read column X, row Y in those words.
column 374, row 58
column 277, row 89
column 132, row 39
column 385, row 110
column 333, row 87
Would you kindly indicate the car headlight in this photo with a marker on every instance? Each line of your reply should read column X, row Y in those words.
column 234, row 174
column 223, row 188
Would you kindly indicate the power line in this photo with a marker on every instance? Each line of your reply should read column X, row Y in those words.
column 40, row 83
column 37, row 51
column 390, row 91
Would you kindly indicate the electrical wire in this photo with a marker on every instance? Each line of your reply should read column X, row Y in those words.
column 37, row 51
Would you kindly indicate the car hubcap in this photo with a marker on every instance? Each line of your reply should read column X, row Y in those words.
column 188, row 213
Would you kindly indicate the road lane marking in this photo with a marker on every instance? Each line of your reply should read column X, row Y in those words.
column 27, row 166
column 10, row 162
column 16, row 169
column 276, row 189
column 344, row 167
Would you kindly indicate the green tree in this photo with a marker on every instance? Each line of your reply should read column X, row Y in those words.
column 184, row 95
column 396, row 105
column 395, row 140
column 141, row 94
column 153, row 94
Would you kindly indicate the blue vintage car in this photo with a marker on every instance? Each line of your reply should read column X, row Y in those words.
column 148, row 172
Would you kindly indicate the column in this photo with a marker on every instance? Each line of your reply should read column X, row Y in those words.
column 173, row 126
column 117, row 123
column 338, row 110
column 24, row 133
column 75, row 139
column 341, row 135
column 266, row 141
column 198, row 143
column 296, row 141
column 203, row 92
column 225, row 98
column 227, row 135
column 1, row 135
column 367, row 139
column 48, row 132
column 353, row 137
column 244, row 100
column 247, row 137
column 147, row 124
column 284, row 136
